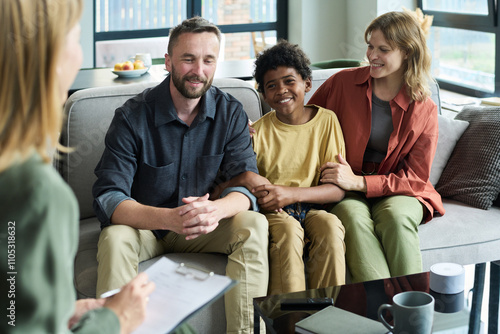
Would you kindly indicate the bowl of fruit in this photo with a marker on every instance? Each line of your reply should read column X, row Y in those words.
column 129, row 69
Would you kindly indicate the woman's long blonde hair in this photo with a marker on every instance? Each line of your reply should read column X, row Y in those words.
column 32, row 36
column 403, row 30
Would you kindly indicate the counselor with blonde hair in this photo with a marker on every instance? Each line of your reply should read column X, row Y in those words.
column 40, row 55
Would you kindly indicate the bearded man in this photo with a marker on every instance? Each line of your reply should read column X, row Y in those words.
column 166, row 150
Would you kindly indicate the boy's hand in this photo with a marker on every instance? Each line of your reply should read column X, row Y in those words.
column 273, row 198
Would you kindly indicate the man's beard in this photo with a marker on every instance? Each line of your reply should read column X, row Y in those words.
column 190, row 93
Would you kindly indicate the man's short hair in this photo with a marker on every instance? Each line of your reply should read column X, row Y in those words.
column 195, row 25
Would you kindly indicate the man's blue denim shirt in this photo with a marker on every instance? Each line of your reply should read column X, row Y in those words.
column 154, row 158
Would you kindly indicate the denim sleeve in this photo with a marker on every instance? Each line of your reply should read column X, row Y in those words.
column 239, row 156
column 107, row 204
column 116, row 168
column 244, row 191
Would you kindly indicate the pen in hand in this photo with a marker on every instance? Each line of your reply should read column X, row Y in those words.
column 110, row 293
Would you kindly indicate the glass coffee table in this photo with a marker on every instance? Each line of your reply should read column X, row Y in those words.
column 475, row 310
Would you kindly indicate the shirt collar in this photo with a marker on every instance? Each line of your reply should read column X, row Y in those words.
column 164, row 106
column 402, row 99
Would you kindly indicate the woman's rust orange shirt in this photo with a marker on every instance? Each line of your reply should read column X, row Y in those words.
column 412, row 144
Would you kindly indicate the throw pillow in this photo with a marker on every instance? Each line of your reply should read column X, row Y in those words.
column 450, row 131
column 472, row 174
column 497, row 201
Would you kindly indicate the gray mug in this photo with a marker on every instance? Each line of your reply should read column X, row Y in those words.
column 413, row 313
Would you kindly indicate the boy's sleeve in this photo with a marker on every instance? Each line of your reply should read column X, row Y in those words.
column 335, row 142
column 239, row 156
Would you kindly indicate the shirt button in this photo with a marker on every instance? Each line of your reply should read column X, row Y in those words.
column 183, row 177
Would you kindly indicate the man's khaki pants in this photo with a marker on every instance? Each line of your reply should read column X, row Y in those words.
column 244, row 238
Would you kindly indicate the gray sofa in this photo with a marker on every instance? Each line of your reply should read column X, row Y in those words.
column 463, row 235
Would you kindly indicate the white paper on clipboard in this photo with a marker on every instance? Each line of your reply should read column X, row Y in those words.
column 179, row 293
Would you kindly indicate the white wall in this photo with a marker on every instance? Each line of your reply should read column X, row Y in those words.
column 87, row 35
column 384, row 6
column 359, row 15
column 318, row 26
column 328, row 29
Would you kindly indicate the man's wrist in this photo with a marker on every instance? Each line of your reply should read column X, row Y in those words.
column 245, row 192
column 233, row 203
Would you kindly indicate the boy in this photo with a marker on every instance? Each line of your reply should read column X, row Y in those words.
column 291, row 143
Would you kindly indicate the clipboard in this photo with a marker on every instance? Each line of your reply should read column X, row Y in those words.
column 181, row 291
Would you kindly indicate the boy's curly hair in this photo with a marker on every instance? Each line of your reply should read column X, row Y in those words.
column 281, row 54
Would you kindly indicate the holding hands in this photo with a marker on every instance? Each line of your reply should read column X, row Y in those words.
column 341, row 174
column 272, row 197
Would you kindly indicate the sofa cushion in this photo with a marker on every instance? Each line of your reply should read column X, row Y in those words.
column 450, row 131
column 497, row 201
column 472, row 174
column 244, row 92
column 463, row 235
column 89, row 113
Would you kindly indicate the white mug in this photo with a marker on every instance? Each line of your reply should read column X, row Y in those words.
column 413, row 313
column 145, row 57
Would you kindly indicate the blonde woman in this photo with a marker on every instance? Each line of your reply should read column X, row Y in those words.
column 40, row 55
column 390, row 127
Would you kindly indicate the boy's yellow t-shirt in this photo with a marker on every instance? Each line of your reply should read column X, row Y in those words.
column 291, row 155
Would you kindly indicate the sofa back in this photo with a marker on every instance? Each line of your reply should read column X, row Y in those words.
column 88, row 114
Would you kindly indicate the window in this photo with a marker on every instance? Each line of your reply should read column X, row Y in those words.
column 126, row 27
column 463, row 42
column 461, row 6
